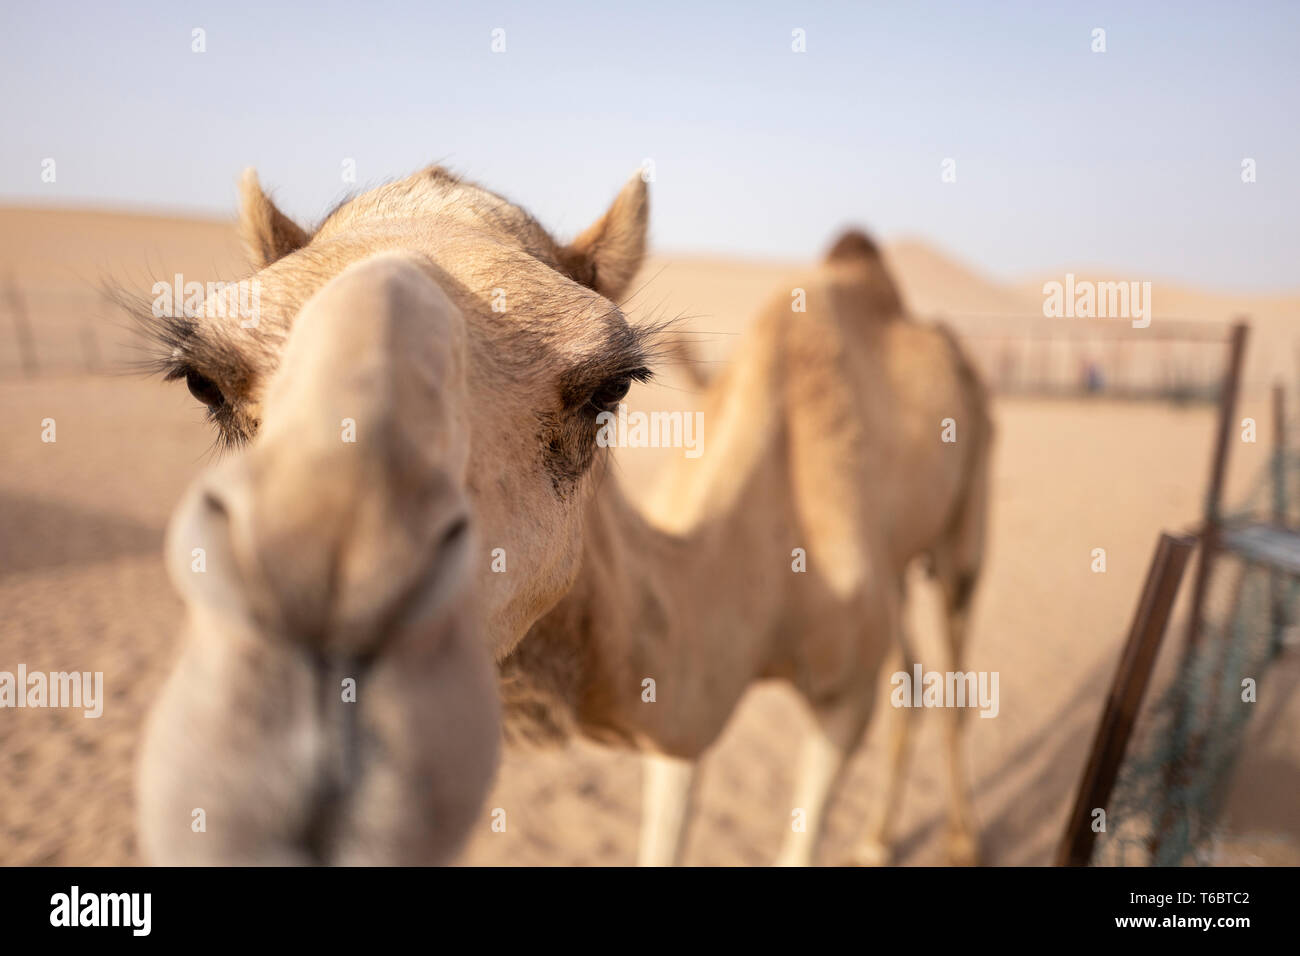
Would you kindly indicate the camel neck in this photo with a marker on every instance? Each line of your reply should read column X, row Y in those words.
column 619, row 655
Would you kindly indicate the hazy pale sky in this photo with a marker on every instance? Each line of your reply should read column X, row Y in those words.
column 1129, row 160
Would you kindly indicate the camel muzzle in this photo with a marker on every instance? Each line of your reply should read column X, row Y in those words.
column 334, row 702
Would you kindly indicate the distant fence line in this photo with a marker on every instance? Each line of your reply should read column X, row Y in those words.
column 1171, row 359
column 53, row 328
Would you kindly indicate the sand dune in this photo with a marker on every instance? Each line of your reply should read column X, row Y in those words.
column 82, row 584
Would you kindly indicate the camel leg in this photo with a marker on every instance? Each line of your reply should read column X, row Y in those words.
column 956, row 566
column 963, row 844
column 821, row 766
column 877, row 846
column 668, row 793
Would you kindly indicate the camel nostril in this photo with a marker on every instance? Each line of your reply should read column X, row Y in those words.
column 454, row 533
column 215, row 505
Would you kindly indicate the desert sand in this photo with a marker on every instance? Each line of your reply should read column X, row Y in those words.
column 82, row 585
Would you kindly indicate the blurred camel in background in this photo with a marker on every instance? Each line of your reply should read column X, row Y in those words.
column 780, row 552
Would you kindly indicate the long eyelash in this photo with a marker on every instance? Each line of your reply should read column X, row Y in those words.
column 658, row 342
column 162, row 341
column 170, row 346
column 225, row 441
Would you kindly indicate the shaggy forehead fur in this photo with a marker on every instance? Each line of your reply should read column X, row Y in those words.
column 435, row 193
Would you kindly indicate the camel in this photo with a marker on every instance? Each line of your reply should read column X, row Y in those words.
column 467, row 353
column 826, row 439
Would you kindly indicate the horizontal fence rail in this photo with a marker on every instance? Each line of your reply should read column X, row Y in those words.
column 60, row 328
column 1171, row 359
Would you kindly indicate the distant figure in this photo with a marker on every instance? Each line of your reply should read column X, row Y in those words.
column 1093, row 380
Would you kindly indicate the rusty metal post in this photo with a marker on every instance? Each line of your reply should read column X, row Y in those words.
column 1177, row 771
column 1276, row 581
column 1126, row 692
column 22, row 328
column 1228, row 394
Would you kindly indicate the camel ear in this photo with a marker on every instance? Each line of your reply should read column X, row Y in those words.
column 610, row 251
column 267, row 233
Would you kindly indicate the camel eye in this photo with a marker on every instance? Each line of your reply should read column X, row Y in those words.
column 612, row 392
column 615, row 390
column 204, row 389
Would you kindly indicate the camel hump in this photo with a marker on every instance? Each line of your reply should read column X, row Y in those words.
column 853, row 244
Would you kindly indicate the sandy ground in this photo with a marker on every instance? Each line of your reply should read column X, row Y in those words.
column 82, row 585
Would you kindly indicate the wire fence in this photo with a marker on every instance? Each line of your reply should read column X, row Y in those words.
column 59, row 328
column 1168, row 804
column 1169, row 799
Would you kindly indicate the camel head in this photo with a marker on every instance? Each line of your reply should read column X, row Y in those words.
column 417, row 392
